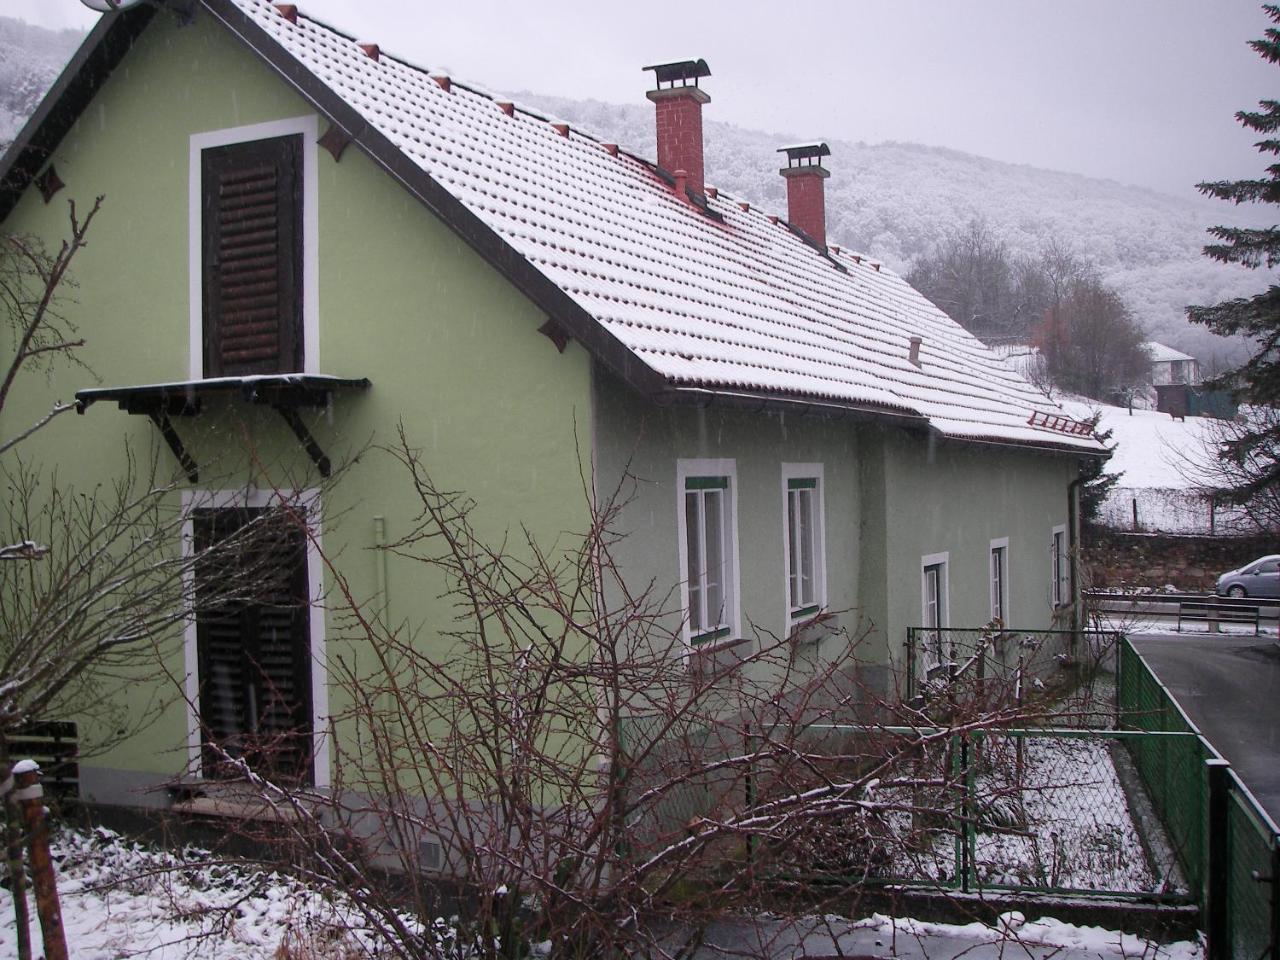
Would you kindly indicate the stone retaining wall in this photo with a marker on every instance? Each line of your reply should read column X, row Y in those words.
column 1152, row 561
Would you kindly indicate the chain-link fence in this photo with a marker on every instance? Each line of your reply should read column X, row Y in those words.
column 1067, row 676
column 1033, row 810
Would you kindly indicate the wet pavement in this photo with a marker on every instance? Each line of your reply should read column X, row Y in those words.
column 1229, row 686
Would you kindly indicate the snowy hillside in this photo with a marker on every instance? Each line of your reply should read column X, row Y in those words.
column 30, row 60
column 890, row 200
column 894, row 200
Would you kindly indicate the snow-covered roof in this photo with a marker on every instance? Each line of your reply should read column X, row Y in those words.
column 686, row 297
column 1162, row 354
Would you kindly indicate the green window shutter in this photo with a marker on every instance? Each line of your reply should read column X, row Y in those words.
column 706, row 483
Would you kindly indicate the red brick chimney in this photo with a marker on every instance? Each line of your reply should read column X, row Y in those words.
column 806, row 196
column 679, row 118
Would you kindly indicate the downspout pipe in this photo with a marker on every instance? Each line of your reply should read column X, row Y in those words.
column 1073, row 550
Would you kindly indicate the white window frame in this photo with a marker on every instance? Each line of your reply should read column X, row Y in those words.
column 999, row 602
column 695, row 468
column 933, row 646
column 805, row 471
column 308, row 500
column 1059, row 567
column 309, row 128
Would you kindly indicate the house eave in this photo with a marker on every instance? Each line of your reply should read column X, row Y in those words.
column 780, row 402
column 104, row 48
column 482, row 238
column 111, row 39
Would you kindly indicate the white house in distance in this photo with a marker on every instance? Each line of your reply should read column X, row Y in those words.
column 1171, row 366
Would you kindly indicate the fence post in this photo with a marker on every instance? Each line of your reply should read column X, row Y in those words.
column 1120, row 696
column 957, row 772
column 17, row 872
column 911, row 662
column 1217, row 859
column 30, row 795
column 971, row 753
column 1275, row 896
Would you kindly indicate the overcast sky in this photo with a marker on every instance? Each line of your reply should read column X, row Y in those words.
column 1141, row 91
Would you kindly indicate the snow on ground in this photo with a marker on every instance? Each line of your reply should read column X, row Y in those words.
column 122, row 900
column 1051, row 814
column 1014, row 929
column 1151, row 449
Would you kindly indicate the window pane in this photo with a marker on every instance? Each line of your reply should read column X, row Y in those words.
column 997, row 584
column 693, row 560
column 807, row 551
column 793, row 559
column 933, row 611
column 713, row 506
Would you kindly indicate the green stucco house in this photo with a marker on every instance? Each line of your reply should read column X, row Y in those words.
column 306, row 241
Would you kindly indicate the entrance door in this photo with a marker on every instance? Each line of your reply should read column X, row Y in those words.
column 254, row 645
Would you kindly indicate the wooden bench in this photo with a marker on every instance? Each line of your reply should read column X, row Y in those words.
column 1215, row 612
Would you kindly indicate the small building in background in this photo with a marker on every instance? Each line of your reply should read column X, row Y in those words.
column 1186, row 400
column 1171, row 366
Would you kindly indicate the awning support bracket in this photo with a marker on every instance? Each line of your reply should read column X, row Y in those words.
column 161, row 419
column 318, row 457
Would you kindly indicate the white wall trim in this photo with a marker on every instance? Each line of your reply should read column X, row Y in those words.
column 794, row 471
column 943, row 560
column 309, row 127
column 709, row 468
column 1054, row 579
column 309, row 500
column 996, row 544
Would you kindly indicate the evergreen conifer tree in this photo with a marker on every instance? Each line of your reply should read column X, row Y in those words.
column 1254, row 452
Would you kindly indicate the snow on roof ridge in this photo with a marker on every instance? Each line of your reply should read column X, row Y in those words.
column 712, row 301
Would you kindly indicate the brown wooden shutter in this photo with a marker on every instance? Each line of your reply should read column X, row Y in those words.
column 252, row 258
column 254, row 650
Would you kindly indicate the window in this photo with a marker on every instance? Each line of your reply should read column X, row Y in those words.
column 933, row 602
column 251, row 211
column 1061, row 584
column 253, row 648
column 708, row 548
column 804, row 559
column 999, row 572
column 253, row 267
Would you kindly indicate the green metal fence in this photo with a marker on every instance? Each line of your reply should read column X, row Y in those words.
column 1041, row 810
column 1226, row 843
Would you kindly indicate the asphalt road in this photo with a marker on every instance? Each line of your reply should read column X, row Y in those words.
column 1230, row 688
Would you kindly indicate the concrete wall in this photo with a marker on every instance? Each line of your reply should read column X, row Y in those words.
column 452, row 349
column 954, row 499
column 638, row 445
column 891, row 498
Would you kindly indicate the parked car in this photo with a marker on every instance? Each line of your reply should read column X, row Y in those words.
column 1261, row 578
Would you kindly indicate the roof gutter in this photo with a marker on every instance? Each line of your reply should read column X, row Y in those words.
column 753, row 400
column 1043, row 447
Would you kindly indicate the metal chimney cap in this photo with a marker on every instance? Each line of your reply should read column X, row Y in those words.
column 681, row 71
column 812, row 152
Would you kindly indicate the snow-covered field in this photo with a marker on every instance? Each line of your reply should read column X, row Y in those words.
column 121, row 900
column 1158, row 460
